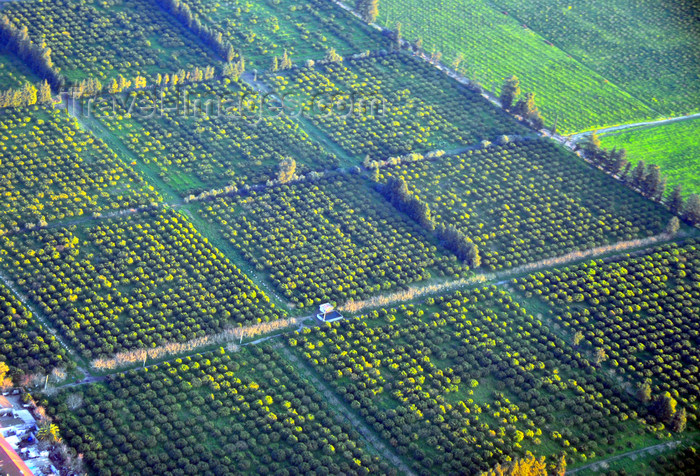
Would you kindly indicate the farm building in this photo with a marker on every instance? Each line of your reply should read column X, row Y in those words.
column 326, row 313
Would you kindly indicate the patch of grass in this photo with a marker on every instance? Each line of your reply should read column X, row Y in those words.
column 674, row 146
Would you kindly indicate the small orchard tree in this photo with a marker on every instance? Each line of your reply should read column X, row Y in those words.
column 510, row 92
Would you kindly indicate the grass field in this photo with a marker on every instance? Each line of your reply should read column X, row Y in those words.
column 495, row 46
column 647, row 47
column 675, row 147
column 104, row 39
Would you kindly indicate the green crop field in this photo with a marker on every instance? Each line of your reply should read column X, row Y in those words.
column 675, row 147
column 209, row 134
column 333, row 239
column 646, row 47
column 54, row 170
column 166, row 284
column 495, row 46
column 639, row 311
column 219, row 413
column 26, row 345
column 391, row 104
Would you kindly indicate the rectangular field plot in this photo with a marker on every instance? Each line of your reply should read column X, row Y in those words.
column 675, row 147
column 93, row 39
column 469, row 380
column 25, row 344
column 260, row 31
column 240, row 413
column 209, row 134
column 494, row 46
column 51, row 169
column 391, row 104
column 528, row 200
column 141, row 281
column 642, row 312
column 331, row 240
column 648, row 48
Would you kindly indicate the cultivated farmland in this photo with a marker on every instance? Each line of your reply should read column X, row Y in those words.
column 379, row 237
column 390, row 105
column 25, row 344
column 134, row 282
column 210, row 134
column 261, row 31
column 103, row 40
column 460, row 384
column 331, row 239
column 53, row 170
column 243, row 413
column 641, row 312
column 14, row 73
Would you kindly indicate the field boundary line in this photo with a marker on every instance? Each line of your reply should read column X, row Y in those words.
column 413, row 292
column 424, row 289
